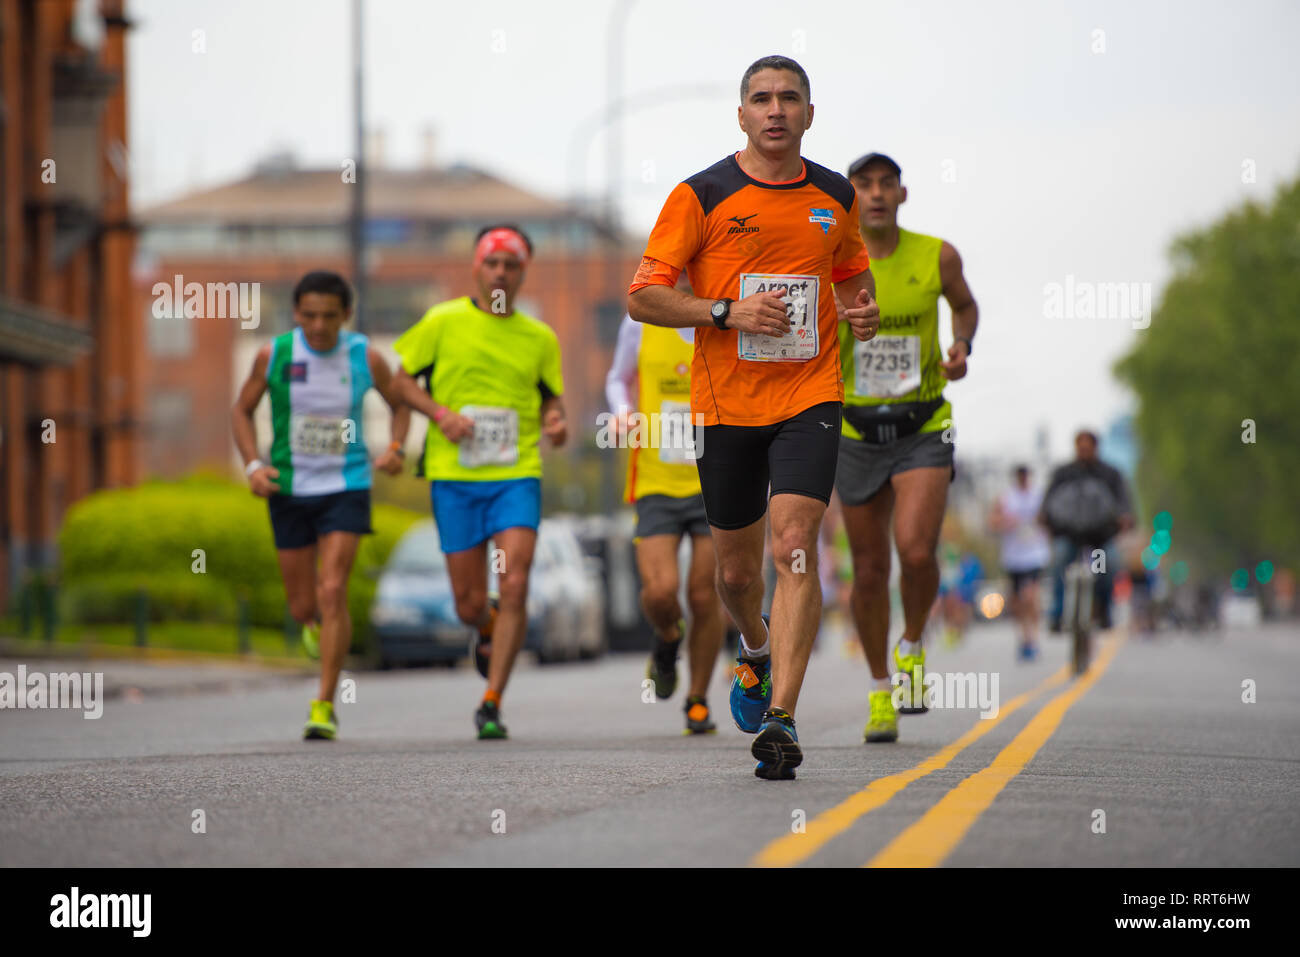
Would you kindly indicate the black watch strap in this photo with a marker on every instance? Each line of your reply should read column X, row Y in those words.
column 721, row 321
column 970, row 349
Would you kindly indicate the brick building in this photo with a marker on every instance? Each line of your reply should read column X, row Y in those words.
column 68, row 331
column 282, row 221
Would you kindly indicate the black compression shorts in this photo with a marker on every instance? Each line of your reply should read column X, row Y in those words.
column 738, row 462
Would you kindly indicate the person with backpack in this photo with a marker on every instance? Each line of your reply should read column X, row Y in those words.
column 1086, row 505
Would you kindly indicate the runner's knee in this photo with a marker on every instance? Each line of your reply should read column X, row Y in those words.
column 659, row 595
column 332, row 594
column 303, row 610
column 702, row 597
column 513, row 587
column 737, row 580
column 795, row 550
column 916, row 556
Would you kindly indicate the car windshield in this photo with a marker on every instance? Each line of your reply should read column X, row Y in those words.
column 418, row 552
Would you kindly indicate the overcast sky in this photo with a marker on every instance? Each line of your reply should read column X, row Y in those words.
column 1044, row 140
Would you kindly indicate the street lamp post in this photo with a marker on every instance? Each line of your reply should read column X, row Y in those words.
column 357, row 222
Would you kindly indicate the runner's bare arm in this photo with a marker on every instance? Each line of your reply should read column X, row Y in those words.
column 385, row 385
column 241, row 423
column 453, row 425
column 856, row 297
column 965, row 313
column 555, row 425
column 658, row 305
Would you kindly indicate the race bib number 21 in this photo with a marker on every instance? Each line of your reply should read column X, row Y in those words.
column 801, row 298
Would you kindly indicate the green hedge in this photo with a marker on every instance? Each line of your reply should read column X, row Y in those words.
column 117, row 541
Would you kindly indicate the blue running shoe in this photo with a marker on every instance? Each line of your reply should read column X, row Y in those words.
column 777, row 747
column 751, row 689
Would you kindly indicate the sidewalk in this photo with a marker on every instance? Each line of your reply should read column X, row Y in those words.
column 134, row 673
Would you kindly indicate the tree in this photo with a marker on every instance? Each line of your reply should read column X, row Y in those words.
column 1221, row 355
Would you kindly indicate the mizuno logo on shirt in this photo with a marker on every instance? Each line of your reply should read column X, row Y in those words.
column 740, row 226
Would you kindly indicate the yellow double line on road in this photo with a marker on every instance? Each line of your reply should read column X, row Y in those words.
column 927, row 842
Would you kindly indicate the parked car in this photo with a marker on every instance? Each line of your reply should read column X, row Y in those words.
column 414, row 612
column 566, row 595
column 607, row 539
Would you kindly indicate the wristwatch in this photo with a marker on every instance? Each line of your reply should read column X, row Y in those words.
column 969, row 348
column 719, row 311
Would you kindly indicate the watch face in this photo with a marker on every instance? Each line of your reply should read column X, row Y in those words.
column 719, row 309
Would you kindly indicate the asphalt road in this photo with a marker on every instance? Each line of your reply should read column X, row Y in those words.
column 1157, row 739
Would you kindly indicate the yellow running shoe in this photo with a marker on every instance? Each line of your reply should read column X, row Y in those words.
column 914, row 667
column 311, row 640
column 883, row 723
column 321, row 723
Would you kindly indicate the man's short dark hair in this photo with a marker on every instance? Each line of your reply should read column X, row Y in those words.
column 1020, row 470
column 513, row 227
column 327, row 284
column 1087, row 433
column 776, row 62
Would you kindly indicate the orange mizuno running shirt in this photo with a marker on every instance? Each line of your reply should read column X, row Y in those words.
column 736, row 236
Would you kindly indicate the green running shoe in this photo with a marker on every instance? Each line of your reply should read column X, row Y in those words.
column 883, row 723
column 311, row 640
column 914, row 667
column 322, row 725
column 488, row 721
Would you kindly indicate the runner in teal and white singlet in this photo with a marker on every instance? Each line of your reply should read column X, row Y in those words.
column 315, row 405
column 317, row 484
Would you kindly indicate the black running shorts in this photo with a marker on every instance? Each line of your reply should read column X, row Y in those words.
column 738, row 463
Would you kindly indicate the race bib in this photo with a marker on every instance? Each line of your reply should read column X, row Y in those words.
column 495, row 440
column 316, row 435
column 800, row 343
column 887, row 366
column 676, row 434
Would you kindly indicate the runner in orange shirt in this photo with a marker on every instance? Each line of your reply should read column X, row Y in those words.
column 762, row 235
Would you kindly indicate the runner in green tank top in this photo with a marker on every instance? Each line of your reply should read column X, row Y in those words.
column 896, row 449
column 317, row 483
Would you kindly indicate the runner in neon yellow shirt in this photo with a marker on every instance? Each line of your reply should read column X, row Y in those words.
column 896, row 448
column 495, row 373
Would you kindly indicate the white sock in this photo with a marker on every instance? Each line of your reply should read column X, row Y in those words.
column 882, row 684
column 762, row 652
column 906, row 647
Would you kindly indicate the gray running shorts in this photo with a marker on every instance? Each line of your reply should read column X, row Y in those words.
column 864, row 468
column 666, row 515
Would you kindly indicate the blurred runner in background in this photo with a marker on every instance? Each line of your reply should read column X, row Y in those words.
column 1085, row 506
column 1025, row 553
column 317, row 485
column 664, row 485
column 494, row 388
column 896, row 449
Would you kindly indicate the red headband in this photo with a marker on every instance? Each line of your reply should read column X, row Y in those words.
column 501, row 241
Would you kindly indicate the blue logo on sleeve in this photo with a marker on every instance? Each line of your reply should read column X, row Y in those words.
column 824, row 217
